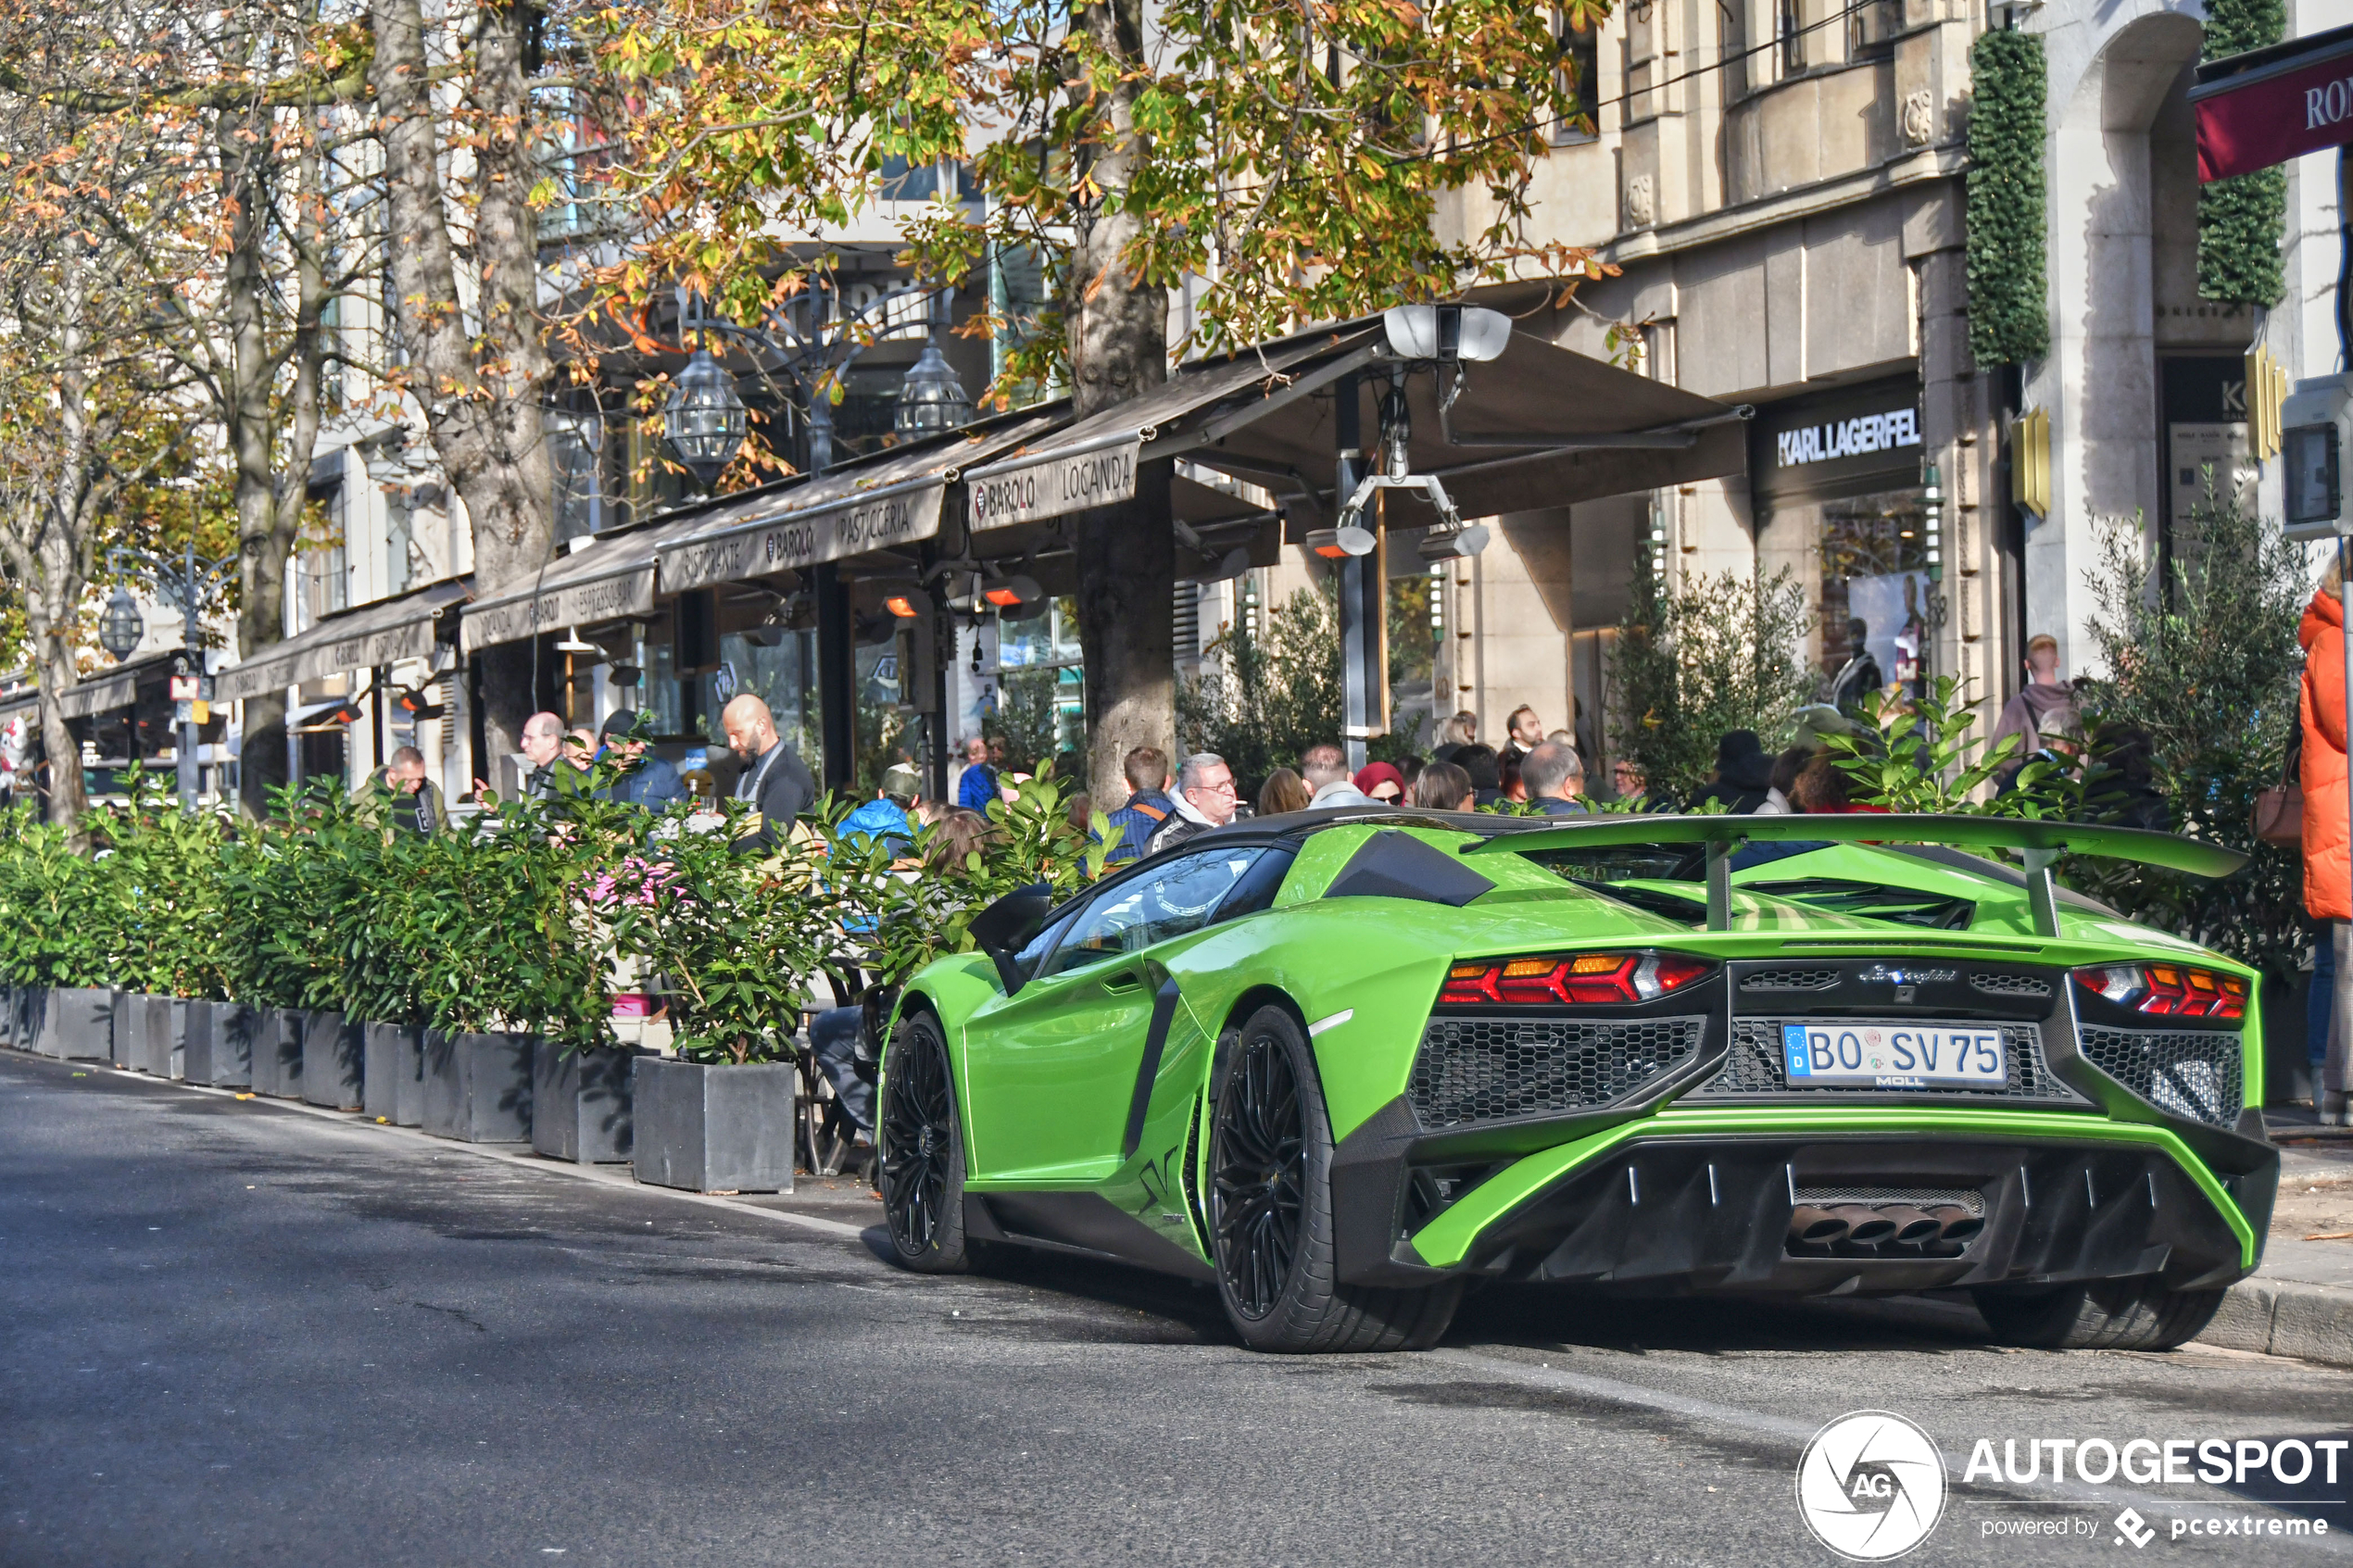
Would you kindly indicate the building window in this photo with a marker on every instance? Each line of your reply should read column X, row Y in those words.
column 1872, row 26
column 1732, row 22
column 1639, row 57
column 1580, row 55
column 1792, row 32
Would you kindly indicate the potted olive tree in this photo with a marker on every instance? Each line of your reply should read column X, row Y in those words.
column 735, row 939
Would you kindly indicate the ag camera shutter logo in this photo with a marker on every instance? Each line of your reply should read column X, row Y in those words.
column 1870, row 1485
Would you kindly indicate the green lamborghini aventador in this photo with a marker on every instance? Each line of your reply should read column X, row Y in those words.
column 1342, row 1063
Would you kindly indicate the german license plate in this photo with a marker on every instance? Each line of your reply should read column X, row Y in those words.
column 1892, row 1055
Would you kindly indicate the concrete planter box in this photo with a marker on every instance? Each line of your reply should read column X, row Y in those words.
column 130, row 1019
column 393, row 1085
column 277, row 1054
column 714, row 1129
column 333, row 1060
column 32, row 1009
column 163, row 1039
column 77, row 1025
column 219, row 1049
column 9, row 1035
column 580, row 1103
column 477, row 1087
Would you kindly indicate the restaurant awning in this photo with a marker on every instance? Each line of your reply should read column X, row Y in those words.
column 383, row 633
column 1538, row 426
column 611, row 578
column 892, row 499
column 114, row 689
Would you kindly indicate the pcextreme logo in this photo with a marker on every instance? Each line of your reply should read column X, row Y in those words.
column 1870, row 1485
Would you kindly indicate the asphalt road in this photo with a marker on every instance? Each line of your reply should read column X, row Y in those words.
column 238, row 1333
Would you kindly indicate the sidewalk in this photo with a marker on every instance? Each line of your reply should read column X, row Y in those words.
column 2300, row 1302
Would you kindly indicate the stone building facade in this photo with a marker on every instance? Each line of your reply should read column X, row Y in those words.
column 1780, row 185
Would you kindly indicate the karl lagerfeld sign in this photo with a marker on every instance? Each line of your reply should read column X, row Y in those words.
column 1860, row 436
column 874, row 522
column 1053, row 485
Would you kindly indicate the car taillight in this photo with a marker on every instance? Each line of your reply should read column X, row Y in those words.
column 1573, row 979
column 2166, row 989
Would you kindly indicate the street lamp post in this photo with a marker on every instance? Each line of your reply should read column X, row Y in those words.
column 705, row 422
column 194, row 583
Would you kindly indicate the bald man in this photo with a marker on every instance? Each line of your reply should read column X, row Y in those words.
column 543, row 742
column 774, row 778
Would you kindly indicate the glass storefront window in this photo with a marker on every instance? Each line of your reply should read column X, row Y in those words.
column 659, row 687
column 1874, row 563
column 783, row 676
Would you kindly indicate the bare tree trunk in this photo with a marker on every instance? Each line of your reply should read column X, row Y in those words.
column 1119, row 336
column 265, row 538
column 480, row 364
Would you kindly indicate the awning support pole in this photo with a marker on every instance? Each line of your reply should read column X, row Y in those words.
column 1356, row 691
column 836, row 674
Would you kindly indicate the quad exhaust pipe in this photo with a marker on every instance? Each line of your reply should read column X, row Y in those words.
column 1863, row 1225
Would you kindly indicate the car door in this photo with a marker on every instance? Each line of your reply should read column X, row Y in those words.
column 1050, row 1071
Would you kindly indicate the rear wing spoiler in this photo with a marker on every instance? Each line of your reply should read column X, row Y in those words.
column 2040, row 843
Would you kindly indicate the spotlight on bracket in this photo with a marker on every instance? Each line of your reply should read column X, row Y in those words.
column 1354, row 539
column 1447, row 334
column 1439, row 545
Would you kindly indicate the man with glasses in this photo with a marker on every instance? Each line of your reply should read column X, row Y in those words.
column 1205, row 799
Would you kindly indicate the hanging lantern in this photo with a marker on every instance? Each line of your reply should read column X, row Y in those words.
column 931, row 399
column 704, row 418
column 121, row 626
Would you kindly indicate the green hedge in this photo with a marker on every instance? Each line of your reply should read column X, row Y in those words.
column 523, row 917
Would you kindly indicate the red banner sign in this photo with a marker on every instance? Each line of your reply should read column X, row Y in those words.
column 2268, row 116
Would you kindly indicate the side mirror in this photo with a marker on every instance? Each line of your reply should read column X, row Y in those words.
column 1005, row 927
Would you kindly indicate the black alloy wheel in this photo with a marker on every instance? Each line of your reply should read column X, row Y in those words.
column 1270, row 1208
column 923, row 1152
column 1258, row 1184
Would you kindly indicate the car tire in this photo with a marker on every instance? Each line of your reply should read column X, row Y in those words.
column 2123, row 1314
column 919, row 1145
column 1270, row 1210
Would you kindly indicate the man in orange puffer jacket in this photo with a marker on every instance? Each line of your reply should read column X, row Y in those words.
column 2328, row 876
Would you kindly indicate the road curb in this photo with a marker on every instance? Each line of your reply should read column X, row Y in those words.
column 2312, row 1323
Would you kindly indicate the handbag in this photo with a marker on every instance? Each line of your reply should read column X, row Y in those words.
column 2279, row 808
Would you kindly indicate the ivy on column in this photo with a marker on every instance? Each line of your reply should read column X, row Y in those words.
column 2241, row 220
column 2009, row 293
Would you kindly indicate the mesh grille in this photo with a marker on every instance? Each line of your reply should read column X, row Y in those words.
column 1492, row 1069
column 1790, row 980
column 2194, row 1075
column 2010, row 985
column 1754, row 1067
